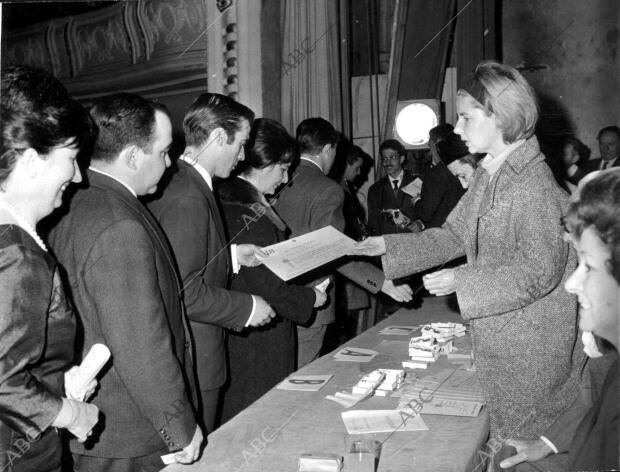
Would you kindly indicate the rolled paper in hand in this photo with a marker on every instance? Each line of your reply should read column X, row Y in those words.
column 91, row 365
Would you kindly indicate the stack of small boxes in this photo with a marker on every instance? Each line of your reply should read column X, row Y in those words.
column 436, row 339
column 380, row 382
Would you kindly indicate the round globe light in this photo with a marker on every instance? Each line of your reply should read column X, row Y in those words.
column 414, row 122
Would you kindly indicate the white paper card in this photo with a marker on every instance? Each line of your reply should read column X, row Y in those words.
column 355, row 354
column 413, row 188
column 296, row 256
column 381, row 421
column 399, row 330
column 305, row 383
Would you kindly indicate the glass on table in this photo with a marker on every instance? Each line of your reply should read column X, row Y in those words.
column 362, row 453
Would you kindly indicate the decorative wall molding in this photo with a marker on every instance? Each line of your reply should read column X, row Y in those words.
column 139, row 44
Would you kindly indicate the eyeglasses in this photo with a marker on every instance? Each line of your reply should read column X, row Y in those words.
column 390, row 157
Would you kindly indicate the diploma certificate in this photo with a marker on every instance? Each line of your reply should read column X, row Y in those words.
column 299, row 255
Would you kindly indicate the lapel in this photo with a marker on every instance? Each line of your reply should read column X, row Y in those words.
column 208, row 194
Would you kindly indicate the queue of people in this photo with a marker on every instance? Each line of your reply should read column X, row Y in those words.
column 158, row 260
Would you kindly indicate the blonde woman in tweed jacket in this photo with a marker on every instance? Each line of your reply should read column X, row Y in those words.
column 508, row 224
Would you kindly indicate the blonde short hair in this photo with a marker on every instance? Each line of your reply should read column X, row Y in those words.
column 503, row 91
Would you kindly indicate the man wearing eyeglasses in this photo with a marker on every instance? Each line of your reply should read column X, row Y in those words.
column 390, row 210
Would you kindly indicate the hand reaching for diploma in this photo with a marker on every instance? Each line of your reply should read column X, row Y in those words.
column 191, row 452
column 441, row 282
column 246, row 255
column 373, row 246
column 529, row 450
column 400, row 293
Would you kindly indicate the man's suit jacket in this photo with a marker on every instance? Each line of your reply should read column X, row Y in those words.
column 190, row 217
column 125, row 288
column 441, row 191
column 587, row 167
column 312, row 201
column 381, row 196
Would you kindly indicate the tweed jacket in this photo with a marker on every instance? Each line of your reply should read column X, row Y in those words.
column 523, row 322
column 381, row 196
column 126, row 292
column 312, row 201
column 190, row 217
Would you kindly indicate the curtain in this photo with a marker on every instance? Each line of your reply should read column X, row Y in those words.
column 315, row 77
column 476, row 36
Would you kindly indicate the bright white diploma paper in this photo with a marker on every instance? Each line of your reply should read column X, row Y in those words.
column 299, row 255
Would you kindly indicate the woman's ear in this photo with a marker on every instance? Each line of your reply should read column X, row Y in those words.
column 32, row 162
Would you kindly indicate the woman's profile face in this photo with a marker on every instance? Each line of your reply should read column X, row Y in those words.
column 271, row 177
column 352, row 170
column 597, row 291
column 462, row 171
column 59, row 169
column 479, row 131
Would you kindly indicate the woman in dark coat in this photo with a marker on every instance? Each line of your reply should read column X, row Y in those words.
column 42, row 131
column 261, row 357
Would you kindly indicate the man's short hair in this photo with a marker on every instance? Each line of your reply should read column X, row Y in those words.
column 597, row 206
column 392, row 144
column 37, row 112
column 502, row 90
column 124, row 119
column 313, row 134
column 609, row 129
column 211, row 111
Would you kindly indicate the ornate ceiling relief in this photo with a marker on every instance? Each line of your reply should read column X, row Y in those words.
column 146, row 46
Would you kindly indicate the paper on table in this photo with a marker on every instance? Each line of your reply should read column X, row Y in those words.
column 296, row 256
column 355, row 354
column 413, row 188
column 305, row 383
column 399, row 330
column 381, row 421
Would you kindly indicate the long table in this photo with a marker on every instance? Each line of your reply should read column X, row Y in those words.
column 273, row 432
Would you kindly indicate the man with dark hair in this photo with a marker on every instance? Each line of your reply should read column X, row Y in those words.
column 390, row 210
column 126, row 291
column 216, row 128
column 609, row 146
column 311, row 201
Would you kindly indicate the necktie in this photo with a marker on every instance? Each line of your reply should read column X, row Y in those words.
column 606, row 165
column 395, row 183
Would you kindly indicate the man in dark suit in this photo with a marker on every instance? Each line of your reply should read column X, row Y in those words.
column 312, row 201
column 126, row 292
column 390, row 210
column 609, row 145
column 216, row 128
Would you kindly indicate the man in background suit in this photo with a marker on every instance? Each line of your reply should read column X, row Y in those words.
column 312, row 201
column 609, row 146
column 216, row 127
column 126, row 291
column 387, row 194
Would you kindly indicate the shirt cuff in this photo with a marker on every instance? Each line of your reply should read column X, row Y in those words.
column 550, row 444
column 235, row 262
column 247, row 323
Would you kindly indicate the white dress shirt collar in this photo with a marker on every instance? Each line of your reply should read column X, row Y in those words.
column 115, row 178
column 398, row 178
column 201, row 170
column 307, row 159
column 492, row 164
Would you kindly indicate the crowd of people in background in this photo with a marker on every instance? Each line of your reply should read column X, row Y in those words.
column 159, row 261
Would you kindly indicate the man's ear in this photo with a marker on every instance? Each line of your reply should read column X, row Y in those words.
column 131, row 156
column 218, row 136
column 326, row 149
column 402, row 160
